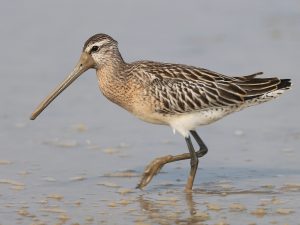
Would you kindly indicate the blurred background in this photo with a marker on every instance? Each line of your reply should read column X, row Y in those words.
column 61, row 167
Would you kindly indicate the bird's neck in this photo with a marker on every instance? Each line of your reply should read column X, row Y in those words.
column 113, row 81
column 112, row 64
column 111, row 71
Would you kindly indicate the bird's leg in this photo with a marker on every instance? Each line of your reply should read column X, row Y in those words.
column 155, row 166
column 202, row 147
column 194, row 164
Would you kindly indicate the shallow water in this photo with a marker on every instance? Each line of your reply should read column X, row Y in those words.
column 79, row 162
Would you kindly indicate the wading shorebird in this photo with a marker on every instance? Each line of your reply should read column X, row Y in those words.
column 180, row 96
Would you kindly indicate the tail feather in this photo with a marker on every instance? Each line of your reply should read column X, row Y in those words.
column 284, row 84
column 251, row 76
column 267, row 93
column 256, row 87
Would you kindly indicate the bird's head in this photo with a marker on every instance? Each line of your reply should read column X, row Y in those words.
column 102, row 49
column 98, row 51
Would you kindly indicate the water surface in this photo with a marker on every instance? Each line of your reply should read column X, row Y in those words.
column 79, row 162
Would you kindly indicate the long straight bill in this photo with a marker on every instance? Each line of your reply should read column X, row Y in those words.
column 85, row 62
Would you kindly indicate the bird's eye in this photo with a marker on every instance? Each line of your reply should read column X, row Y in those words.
column 94, row 49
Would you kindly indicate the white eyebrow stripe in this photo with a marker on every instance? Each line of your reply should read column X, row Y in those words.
column 98, row 43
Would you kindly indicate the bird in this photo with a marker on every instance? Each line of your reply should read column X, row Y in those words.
column 180, row 96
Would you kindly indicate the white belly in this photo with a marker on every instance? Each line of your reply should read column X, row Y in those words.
column 190, row 121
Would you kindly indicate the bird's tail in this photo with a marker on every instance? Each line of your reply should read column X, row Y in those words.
column 259, row 90
column 284, row 84
column 259, row 87
column 271, row 89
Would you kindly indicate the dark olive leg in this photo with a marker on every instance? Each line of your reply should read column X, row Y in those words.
column 202, row 147
column 194, row 164
column 155, row 166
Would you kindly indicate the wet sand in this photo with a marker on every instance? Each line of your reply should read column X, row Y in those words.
column 79, row 162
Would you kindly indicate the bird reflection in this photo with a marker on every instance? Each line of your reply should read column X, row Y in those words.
column 170, row 210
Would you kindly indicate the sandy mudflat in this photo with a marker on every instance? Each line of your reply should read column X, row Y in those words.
column 80, row 161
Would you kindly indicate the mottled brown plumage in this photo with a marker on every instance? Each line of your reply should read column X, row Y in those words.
column 183, row 97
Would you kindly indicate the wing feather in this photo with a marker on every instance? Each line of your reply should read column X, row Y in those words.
column 179, row 88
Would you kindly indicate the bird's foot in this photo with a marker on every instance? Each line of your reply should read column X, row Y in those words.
column 152, row 169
